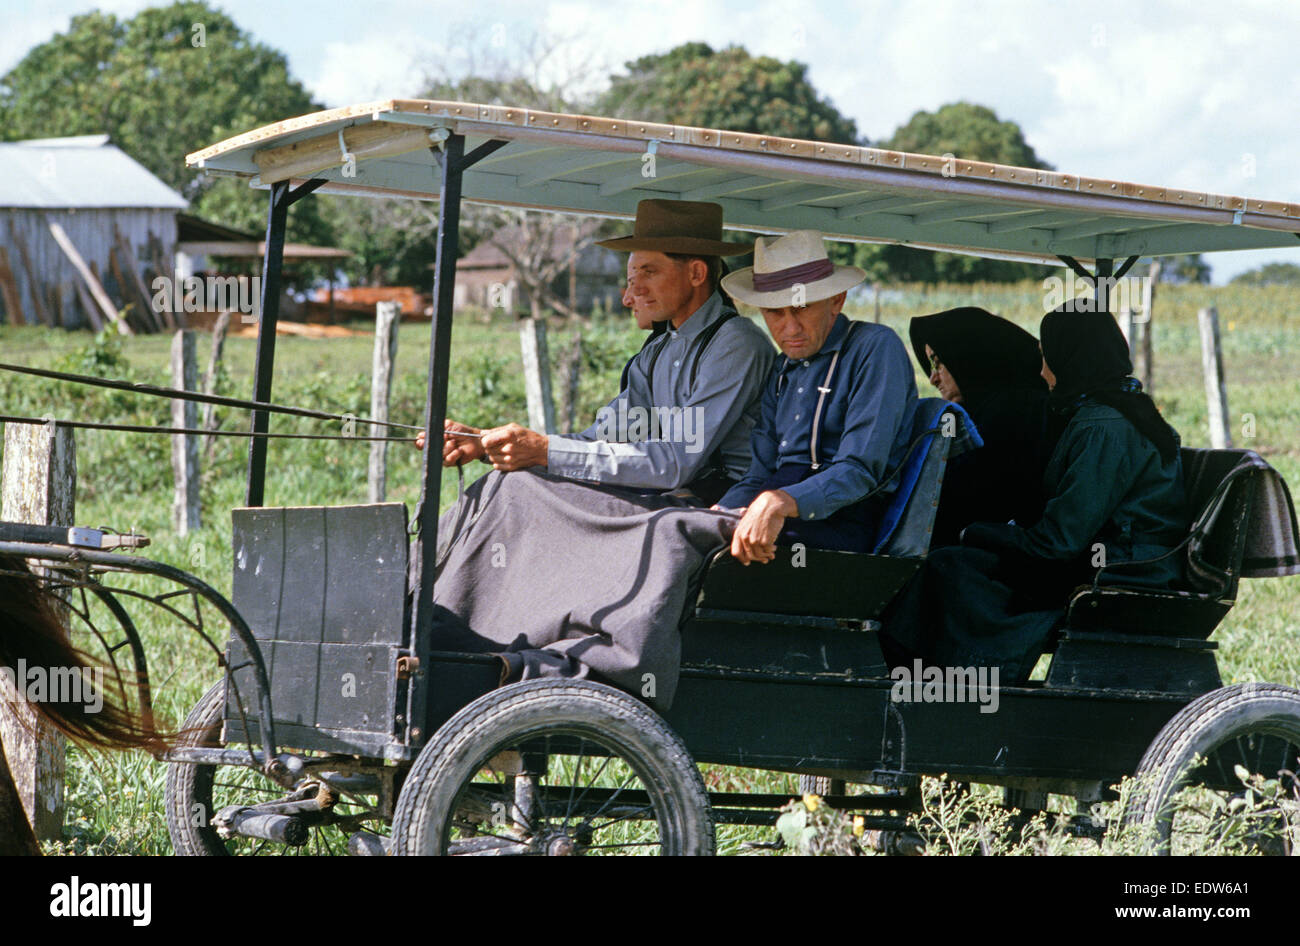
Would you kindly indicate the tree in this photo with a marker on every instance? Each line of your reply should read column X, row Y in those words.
column 692, row 84
column 1189, row 268
column 1270, row 274
column 394, row 240
column 728, row 89
column 166, row 82
column 542, row 72
column 968, row 131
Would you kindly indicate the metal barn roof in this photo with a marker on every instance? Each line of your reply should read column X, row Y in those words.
column 593, row 165
column 80, row 172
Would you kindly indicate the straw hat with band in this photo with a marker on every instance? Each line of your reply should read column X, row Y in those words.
column 782, row 263
column 687, row 227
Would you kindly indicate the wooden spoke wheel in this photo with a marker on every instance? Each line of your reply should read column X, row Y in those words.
column 554, row 768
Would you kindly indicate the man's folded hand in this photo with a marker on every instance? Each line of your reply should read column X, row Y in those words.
column 755, row 537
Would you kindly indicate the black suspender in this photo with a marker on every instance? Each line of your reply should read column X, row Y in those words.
column 656, row 329
column 716, row 467
column 661, row 329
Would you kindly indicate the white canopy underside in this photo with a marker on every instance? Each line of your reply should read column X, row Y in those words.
column 603, row 166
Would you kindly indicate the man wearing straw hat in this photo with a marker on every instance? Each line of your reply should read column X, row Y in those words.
column 688, row 400
column 835, row 415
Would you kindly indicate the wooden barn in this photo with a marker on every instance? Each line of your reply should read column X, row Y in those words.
column 83, row 230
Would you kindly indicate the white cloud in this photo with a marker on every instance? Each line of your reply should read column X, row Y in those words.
column 369, row 67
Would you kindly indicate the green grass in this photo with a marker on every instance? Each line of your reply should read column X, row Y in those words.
column 115, row 801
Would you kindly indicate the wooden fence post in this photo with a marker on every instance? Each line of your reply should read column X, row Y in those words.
column 185, row 447
column 1126, row 327
column 1216, row 392
column 572, row 362
column 388, row 316
column 1144, row 355
column 39, row 486
column 537, row 375
column 210, row 382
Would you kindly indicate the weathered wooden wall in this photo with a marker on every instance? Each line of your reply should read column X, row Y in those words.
column 92, row 231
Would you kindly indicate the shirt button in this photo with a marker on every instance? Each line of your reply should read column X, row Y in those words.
column 677, row 364
column 797, row 416
column 783, row 443
column 800, row 391
column 812, row 515
column 805, row 364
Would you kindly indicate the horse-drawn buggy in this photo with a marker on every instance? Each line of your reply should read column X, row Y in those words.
column 341, row 723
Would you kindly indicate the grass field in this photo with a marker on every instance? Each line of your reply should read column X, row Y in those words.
column 115, row 802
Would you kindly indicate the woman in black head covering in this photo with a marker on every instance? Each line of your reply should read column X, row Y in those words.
column 1114, row 490
column 989, row 366
column 1086, row 358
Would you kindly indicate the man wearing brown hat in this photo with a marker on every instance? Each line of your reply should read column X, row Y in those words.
column 688, row 400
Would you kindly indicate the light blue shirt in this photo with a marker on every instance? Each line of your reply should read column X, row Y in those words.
column 718, row 411
column 865, row 426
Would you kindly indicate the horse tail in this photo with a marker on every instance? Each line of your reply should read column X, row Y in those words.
column 32, row 631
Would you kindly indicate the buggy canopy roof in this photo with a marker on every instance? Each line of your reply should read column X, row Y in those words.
column 603, row 166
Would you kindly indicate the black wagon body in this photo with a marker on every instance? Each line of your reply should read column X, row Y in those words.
column 335, row 684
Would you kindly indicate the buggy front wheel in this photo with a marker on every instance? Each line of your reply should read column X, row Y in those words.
column 554, row 767
column 196, row 794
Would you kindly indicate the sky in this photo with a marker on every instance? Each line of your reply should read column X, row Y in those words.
column 1178, row 93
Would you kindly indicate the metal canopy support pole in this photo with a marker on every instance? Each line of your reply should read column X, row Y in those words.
column 435, row 412
column 1101, row 283
column 272, row 263
column 1127, row 265
column 277, row 217
column 1075, row 265
column 453, row 163
column 1101, row 279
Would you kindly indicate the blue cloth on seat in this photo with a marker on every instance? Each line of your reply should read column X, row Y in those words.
column 927, row 418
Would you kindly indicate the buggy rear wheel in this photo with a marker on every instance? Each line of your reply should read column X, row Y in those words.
column 197, row 793
column 551, row 767
column 1193, row 790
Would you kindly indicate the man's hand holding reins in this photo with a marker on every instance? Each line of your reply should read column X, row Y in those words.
column 456, row 450
column 513, row 447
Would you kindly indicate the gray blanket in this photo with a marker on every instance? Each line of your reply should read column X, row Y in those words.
column 573, row 578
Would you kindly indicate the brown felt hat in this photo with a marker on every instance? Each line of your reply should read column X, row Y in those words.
column 678, row 226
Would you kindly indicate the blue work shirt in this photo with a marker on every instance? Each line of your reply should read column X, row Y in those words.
column 865, row 426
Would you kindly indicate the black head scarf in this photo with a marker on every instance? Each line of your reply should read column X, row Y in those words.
column 983, row 352
column 1089, row 356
